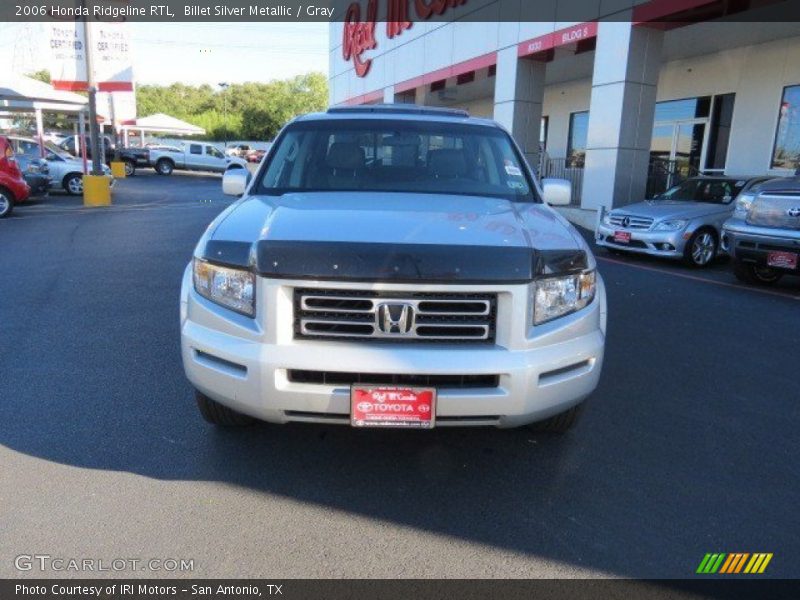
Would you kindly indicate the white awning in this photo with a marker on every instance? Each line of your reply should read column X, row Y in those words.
column 162, row 123
column 23, row 94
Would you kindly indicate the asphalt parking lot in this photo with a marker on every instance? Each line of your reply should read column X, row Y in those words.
column 689, row 445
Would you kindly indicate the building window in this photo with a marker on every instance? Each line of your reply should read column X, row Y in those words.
column 718, row 137
column 786, row 153
column 576, row 142
column 682, row 110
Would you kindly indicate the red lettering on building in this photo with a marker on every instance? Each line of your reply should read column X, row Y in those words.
column 397, row 18
column 427, row 8
column 359, row 36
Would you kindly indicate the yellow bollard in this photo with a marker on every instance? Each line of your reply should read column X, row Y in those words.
column 96, row 190
column 118, row 169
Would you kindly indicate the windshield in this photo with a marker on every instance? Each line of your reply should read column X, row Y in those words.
column 714, row 191
column 58, row 151
column 397, row 156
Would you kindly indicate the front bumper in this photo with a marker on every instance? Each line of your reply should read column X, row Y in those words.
column 38, row 184
column 245, row 363
column 752, row 244
column 667, row 244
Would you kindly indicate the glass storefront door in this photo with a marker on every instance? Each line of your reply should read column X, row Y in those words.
column 688, row 148
column 677, row 152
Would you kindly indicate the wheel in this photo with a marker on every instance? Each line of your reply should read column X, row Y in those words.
column 6, row 203
column 560, row 423
column 753, row 274
column 701, row 248
column 73, row 183
column 217, row 414
column 164, row 166
column 130, row 168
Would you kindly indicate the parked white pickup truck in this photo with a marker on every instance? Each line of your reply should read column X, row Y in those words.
column 193, row 157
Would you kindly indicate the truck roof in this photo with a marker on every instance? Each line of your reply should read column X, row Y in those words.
column 405, row 112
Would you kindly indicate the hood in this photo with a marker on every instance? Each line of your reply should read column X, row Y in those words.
column 395, row 236
column 783, row 184
column 77, row 164
column 672, row 209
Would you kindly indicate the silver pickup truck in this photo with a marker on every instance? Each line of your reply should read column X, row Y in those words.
column 394, row 266
column 763, row 236
column 196, row 156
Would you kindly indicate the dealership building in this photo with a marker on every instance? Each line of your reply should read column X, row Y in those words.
column 623, row 104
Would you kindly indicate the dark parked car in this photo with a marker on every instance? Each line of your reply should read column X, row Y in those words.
column 132, row 157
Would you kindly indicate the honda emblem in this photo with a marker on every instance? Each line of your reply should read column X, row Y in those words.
column 395, row 318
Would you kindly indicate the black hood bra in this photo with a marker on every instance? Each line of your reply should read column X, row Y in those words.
column 391, row 262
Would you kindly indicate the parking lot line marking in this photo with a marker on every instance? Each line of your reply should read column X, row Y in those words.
column 702, row 279
column 80, row 210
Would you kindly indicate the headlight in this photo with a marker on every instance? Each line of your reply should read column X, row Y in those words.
column 607, row 219
column 555, row 297
column 231, row 288
column 743, row 204
column 671, row 225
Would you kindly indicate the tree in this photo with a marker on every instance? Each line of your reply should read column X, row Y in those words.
column 41, row 75
column 255, row 111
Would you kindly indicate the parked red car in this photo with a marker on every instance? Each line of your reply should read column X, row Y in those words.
column 13, row 188
column 255, row 156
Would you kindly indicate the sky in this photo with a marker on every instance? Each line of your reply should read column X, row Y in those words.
column 195, row 53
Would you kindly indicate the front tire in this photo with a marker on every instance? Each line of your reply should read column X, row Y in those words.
column 701, row 248
column 164, row 166
column 755, row 275
column 218, row 414
column 560, row 423
column 73, row 184
column 130, row 168
column 6, row 203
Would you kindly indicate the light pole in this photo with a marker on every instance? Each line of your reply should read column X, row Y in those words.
column 224, row 86
column 94, row 133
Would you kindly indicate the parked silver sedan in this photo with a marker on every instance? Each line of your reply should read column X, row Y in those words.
column 685, row 222
column 65, row 171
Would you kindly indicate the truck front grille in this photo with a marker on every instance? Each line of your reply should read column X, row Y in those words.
column 437, row 381
column 778, row 210
column 630, row 221
column 394, row 316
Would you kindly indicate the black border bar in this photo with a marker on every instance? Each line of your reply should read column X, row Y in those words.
column 742, row 587
column 247, row 11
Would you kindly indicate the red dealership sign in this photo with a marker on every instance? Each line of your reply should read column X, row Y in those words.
column 359, row 36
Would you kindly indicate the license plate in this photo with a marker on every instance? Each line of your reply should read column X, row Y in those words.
column 782, row 260
column 379, row 406
column 622, row 237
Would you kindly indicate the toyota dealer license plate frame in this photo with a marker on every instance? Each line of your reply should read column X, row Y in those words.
column 392, row 406
column 782, row 260
column 622, row 237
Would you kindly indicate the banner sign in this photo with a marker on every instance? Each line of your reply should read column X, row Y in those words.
column 111, row 56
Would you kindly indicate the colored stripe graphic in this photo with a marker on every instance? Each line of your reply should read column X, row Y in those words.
column 729, row 564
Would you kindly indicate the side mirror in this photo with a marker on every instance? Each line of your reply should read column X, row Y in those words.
column 234, row 181
column 557, row 192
